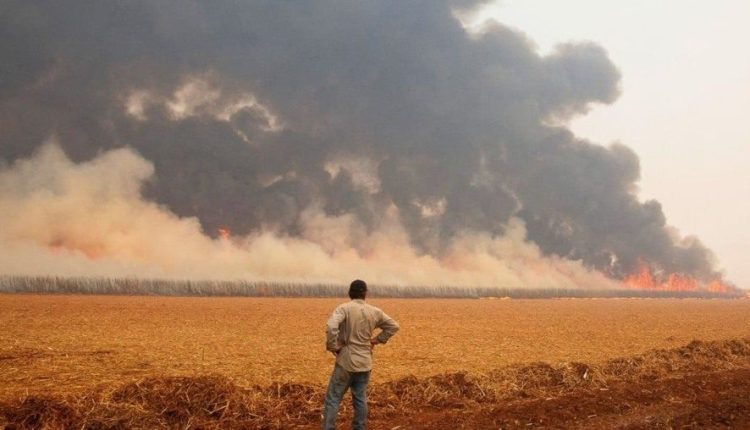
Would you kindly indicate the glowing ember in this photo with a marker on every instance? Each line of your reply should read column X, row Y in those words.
column 224, row 233
column 643, row 279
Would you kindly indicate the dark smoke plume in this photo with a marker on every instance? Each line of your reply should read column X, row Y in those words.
column 251, row 112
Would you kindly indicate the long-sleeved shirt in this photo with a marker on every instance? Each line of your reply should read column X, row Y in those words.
column 349, row 330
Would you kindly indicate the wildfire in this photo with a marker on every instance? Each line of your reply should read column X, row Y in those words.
column 90, row 249
column 719, row 287
column 643, row 279
column 224, row 233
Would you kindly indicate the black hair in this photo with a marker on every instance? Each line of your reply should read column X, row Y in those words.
column 357, row 289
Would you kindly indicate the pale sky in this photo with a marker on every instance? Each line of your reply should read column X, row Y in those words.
column 684, row 107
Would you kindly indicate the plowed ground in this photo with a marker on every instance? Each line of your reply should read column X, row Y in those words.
column 156, row 362
column 701, row 401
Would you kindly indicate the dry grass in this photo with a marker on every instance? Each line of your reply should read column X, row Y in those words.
column 60, row 345
column 240, row 288
column 213, row 401
column 95, row 362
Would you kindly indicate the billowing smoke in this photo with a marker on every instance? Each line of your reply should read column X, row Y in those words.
column 62, row 218
column 332, row 138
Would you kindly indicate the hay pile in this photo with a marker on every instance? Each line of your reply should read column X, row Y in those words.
column 209, row 401
column 215, row 402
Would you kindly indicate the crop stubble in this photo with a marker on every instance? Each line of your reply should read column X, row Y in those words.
column 69, row 344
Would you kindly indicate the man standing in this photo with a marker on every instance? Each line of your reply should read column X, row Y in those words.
column 349, row 337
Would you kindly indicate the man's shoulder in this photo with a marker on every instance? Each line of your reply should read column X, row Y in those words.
column 346, row 305
column 373, row 308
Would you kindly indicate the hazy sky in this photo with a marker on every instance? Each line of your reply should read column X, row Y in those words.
column 684, row 108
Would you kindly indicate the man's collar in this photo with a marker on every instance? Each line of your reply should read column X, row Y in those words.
column 358, row 300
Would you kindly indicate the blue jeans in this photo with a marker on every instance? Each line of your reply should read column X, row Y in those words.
column 342, row 380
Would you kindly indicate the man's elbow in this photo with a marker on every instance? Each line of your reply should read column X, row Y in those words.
column 394, row 328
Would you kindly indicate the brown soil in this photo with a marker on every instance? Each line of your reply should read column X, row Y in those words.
column 61, row 345
column 702, row 401
column 699, row 385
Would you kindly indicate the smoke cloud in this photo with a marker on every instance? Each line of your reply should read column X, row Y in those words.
column 334, row 139
column 90, row 218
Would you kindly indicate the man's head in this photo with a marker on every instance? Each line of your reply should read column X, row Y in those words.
column 357, row 289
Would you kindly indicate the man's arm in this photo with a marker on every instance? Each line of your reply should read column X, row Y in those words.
column 332, row 329
column 388, row 327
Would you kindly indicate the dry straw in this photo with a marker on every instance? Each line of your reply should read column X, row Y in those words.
column 242, row 288
column 215, row 402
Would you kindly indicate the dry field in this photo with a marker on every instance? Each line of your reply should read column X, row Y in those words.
column 69, row 345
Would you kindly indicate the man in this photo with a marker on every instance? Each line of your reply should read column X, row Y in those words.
column 349, row 337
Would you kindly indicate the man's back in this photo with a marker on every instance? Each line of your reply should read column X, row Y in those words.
column 349, row 337
column 349, row 331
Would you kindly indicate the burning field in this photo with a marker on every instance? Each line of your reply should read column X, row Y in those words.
column 261, row 155
column 285, row 153
column 158, row 362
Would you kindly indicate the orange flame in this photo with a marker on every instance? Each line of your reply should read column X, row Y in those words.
column 90, row 249
column 643, row 279
column 224, row 233
column 720, row 287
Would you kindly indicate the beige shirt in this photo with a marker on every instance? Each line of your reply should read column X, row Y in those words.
column 350, row 329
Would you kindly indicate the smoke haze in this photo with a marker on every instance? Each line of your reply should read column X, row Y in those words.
column 90, row 219
column 334, row 140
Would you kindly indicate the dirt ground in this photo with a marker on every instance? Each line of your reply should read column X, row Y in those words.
column 702, row 385
column 189, row 363
column 66, row 344
column 710, row 400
